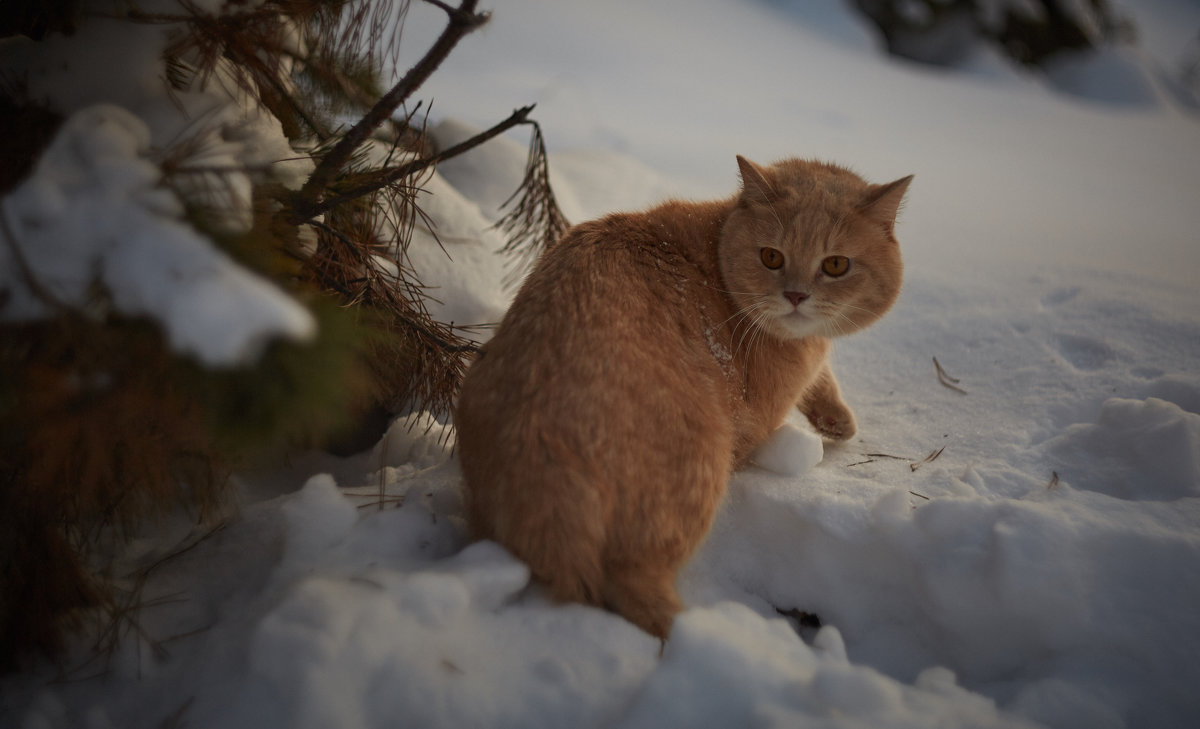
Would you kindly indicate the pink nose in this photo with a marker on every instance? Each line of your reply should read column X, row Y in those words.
column 795, row 297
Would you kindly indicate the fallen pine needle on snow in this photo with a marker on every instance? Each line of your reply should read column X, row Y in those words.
column 927, row 459
column 946, row 379
column 1053, row 480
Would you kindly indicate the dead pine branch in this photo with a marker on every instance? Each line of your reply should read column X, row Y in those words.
column 946, row 380
column 462, row 20
column 933, row 456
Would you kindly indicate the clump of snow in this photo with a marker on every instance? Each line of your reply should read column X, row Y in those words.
column 94, row 211
column 791, row 450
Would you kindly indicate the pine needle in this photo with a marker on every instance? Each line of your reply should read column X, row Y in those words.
column 535, row 221
column 945, row 379
column 933, row 456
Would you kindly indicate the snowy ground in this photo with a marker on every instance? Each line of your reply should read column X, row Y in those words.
column 1042, row 570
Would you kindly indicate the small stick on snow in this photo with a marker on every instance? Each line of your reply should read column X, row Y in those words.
column 919, row 496
column 928, row 459
column 885, row 455
column 1053, row 480
column 946, row 380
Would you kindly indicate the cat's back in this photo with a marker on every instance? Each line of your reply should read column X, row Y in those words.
column 628, row 284
column 599, row 362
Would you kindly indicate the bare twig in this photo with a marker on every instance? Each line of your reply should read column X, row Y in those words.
column 945, row 379
column 1053, row 480
column 885, row 455
column 463, row 20
column 919, row 496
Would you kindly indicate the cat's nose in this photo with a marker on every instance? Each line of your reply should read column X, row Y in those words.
column 795, row 297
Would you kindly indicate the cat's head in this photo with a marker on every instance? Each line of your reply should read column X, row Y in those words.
column 809, row 248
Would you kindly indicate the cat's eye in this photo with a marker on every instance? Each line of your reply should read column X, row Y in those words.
column 835, row 266
column 772, row 258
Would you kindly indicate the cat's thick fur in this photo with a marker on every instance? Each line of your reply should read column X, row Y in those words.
column 647, row 355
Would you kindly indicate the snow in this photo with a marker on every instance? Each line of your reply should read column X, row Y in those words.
column 96, row 209
column 792, row 450
column 1024, row 554
column 93, row 211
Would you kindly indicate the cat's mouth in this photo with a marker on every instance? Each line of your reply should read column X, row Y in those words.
column 798, row 323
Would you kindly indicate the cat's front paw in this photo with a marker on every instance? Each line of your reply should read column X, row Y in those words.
column 833, row 421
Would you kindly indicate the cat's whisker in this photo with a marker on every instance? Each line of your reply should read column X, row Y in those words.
column 753, row 327
column 836, row 322
column 759, row 335
column 750, row 325
column 870, row 313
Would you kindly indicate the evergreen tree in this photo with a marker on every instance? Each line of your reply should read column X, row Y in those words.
column 103, row 423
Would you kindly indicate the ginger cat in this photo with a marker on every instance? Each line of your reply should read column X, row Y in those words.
column 647, row 355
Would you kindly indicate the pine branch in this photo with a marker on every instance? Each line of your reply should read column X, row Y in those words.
column 380, row 179
column 463, row 20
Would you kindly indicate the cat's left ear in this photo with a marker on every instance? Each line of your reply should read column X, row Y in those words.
column 882, row 202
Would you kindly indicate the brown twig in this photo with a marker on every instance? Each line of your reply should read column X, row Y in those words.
column 945, row 379
column 463, row 20
column 1053, row 480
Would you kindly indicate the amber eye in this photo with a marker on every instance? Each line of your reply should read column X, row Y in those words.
column 835, row 266
column 772, row 258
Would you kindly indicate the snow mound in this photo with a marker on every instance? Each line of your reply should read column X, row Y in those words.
column 488, row 174
column 726, row 666
column 94, row 211
column 1137, row 449
column 381, row 615
column 984, row 587
column 458, row 259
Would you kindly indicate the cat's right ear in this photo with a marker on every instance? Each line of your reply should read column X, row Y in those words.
column 882, row 202
column 755, row 187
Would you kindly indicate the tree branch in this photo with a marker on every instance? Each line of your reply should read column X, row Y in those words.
column 389, row 175
column 463, row 20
